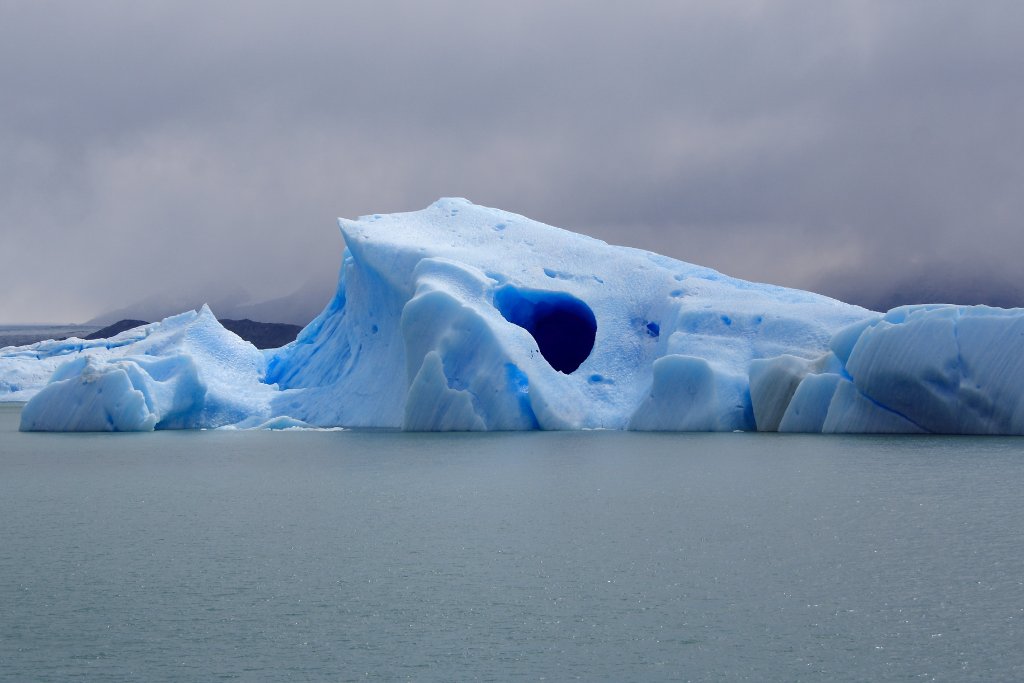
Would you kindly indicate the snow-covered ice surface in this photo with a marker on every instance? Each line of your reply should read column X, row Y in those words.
column 461, row 317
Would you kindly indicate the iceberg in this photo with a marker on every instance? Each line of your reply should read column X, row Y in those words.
column 186, row 372
column 462, row 317
column 24, row 370
column 936, row 369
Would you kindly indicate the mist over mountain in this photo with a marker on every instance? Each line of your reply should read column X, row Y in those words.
column 832, row 147
column 297, row 308
column 948, row 283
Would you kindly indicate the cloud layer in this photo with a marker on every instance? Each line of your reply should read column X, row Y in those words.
column 868, row 150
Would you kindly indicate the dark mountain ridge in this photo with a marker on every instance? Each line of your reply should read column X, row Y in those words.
column 259, row 334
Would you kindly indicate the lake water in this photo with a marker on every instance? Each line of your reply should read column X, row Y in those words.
column 19, row 335
column 595, row 556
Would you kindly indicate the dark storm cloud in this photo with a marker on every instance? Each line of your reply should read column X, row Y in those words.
column 868, row 150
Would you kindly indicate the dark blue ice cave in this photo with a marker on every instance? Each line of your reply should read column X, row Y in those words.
column 563, row 326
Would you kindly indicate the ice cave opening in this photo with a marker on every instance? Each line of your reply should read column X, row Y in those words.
column 563, row 326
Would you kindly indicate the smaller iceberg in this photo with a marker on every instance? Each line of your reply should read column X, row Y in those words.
column 186, row 372
column 24, row 370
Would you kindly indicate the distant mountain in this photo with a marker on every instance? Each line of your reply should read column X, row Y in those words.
column 263, row 335
column 117, row 328
column 163, row 304
column 297, row 308
column 260, row 335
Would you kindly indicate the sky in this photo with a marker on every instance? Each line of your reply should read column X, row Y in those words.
column 871, row 151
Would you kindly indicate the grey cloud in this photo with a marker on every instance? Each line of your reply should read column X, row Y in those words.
column 853, row 148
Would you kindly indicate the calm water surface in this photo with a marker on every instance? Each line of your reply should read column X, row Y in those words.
column 596, row 556
column 18, row 335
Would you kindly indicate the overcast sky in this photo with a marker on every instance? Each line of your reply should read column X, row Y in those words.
column 872, row 151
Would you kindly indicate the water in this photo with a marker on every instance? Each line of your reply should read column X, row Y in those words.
column 593, row 556
column 19, row 335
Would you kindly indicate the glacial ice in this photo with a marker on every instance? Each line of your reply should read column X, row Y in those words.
column 186, row 372
column 461, row 317
column 928, row 369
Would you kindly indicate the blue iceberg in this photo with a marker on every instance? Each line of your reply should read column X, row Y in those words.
column 461, row 317
column 186, row 372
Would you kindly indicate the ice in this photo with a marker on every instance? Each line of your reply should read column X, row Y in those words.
column 932, row 368
column 186, row 372
column 464, row 317
column 24, row 370
column 808, row 408
column 461, row 317
column 683, row 397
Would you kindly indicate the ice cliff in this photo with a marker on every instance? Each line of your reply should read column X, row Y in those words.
column 460, row 317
